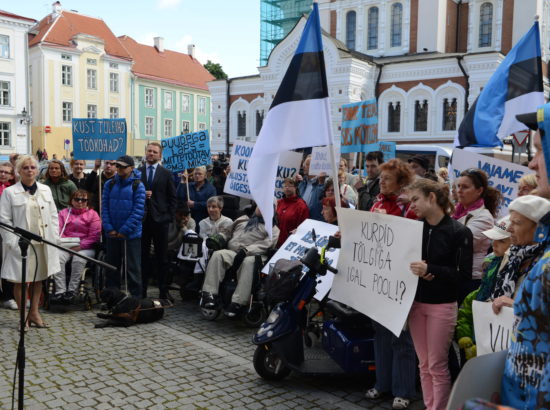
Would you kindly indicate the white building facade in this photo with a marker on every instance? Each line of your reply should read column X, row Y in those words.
column 425, row 61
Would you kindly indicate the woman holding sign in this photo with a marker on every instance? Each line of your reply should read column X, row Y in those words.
column 446, row 261
column 394, row 356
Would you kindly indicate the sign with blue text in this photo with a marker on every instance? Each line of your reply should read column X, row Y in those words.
column 186, row 151
column 503, row 175
column 359, row 126
column 373, row 268
column 320, row 160
column 99, row 138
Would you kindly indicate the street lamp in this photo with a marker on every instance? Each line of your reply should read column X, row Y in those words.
column 25, row 117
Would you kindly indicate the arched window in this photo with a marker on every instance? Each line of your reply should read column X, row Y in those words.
column 351, row 18
column 449, row 114
column 396, row 24
column 421, row 115
column 259, row 121
column 394, row 116
column 241, row 124
column 372, row 42
column 485, row 24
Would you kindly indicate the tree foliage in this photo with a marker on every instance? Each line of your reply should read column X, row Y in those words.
column 216, row 70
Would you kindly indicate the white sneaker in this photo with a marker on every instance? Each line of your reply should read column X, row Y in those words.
column 10, row 304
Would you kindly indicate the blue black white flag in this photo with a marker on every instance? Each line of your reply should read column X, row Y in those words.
column 297, row 118
column 514, row 88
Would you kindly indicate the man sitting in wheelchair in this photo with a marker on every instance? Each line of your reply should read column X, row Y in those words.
column 247, row 238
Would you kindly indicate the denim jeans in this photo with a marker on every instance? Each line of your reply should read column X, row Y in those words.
column 115, row 254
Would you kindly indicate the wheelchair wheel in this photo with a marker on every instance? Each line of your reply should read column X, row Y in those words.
column 255, row 316
column 210, row 314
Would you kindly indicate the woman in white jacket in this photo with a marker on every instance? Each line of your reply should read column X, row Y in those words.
column 29, row 205
column 477, row 208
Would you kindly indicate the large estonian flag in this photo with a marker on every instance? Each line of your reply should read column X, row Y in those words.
column 297, row 118
column 514, row 88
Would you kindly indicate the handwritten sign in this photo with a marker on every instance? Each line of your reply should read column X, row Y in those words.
column 236, row 182
column 503, row 175
column 373, row 269
column 186, row 151
column 297, row 245
column 359, row 126
column 493, row 332
column 99, row 138
column 320, row 160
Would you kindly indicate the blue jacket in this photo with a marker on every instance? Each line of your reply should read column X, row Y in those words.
column 199, row 211
column 314, row 204
column 123, row 207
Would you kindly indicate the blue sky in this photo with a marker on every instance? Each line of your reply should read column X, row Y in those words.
column 224, row 31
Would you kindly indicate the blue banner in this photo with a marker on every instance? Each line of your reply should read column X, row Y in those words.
column 95, row 138
column 186, row 151
column 359, row 126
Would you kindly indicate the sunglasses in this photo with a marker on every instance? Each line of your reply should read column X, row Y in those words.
column 122, row 166
column 27, row 167
column 80, row 199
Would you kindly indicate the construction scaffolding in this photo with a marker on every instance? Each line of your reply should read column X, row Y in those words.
column 278, row 17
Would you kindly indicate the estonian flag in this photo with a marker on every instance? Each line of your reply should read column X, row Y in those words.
column 297, row 118
column 514, row 88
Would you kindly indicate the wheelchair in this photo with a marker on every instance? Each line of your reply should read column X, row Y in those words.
column 188, row 267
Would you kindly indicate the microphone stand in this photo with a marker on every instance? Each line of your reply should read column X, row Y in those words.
column 25, row 238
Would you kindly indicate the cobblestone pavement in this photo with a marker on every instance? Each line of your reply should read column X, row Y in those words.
column 182, row 361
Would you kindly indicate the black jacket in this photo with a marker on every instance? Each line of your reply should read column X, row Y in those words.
column 448, row 250
column 162, row 204
column 367, row 195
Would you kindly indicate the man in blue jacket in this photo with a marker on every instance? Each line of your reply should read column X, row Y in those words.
column 123, row 207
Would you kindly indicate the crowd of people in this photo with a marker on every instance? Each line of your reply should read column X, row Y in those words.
column 142, row 213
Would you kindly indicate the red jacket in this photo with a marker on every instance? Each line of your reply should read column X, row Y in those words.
column 4, row 186
column 392, row 207
column 291, row 212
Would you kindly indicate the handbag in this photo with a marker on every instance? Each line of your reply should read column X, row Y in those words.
column 69, row 242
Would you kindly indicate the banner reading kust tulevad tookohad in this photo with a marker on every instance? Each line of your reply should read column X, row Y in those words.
column 374, row 276
column 99, row 138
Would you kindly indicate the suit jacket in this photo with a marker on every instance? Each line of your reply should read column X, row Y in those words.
column 162, row 204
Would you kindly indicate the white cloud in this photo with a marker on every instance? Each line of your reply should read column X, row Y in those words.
column 200, row 54
column 166, row 4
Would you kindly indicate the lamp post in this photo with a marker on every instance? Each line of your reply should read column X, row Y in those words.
column 26, row 119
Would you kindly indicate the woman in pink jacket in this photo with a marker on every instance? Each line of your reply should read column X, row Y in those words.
column 76, row 221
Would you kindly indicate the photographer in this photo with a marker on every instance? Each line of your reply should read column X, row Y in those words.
column 220, row 169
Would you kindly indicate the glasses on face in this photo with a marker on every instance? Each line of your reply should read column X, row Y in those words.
column 6, row 172
column 122, row 166
column 27, row 167
column 80, row 199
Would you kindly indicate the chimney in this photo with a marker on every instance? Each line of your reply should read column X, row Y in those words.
column 191, row 50
column 159, row 44
column 56, row 8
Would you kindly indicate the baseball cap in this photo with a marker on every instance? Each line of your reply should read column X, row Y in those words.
column 500, row 230
column 126, row 161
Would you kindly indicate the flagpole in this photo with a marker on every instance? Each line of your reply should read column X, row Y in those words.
column 332, row 157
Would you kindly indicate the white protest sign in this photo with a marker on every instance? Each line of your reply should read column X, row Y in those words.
column 373, row 269
column 503, row 175
column 297, row 245
column 320, row 159
column 493, row 332
column 236, row 182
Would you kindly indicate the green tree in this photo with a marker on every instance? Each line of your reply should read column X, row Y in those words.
column 216, row 70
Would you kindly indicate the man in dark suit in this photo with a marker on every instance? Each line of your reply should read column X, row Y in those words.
column 160, row 210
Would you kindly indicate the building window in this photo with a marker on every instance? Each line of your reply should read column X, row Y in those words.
column 259, row 121
column 4, row 93
column 372, row 41
column 113, row 65
column 91, row 61
column 449, row 114
column 241, row 124
column 485, row 24
column 202, row 105
column 351, row 18
column 5, row 133
column 149, row 126
column 185, row 99
column 66, row 57
column 113, row 112
column 168, row 100
column 394, row 117
column 92, row 111
column 396, row 21
column 168, row 128
column 4, row 46
column 202, row 126
column 149, row 99
column 113, row 82
column 67, row 111
column 92, row 79
column 421, row 115
column 67, row 75
column 185, row 126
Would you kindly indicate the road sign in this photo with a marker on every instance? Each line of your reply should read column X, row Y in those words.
column 521, row 136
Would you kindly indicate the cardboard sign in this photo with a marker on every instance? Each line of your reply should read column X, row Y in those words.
column 373, row 269
column 99, row 138
column 359, row 126
column 320, row 160
column 503, row 175
column 493, row 332
column 237, row 180
column 186, row 151
column 298, row 244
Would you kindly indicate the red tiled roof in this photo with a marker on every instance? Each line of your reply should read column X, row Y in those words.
column 167, row 66
column 15, row 16
column 60, row 30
